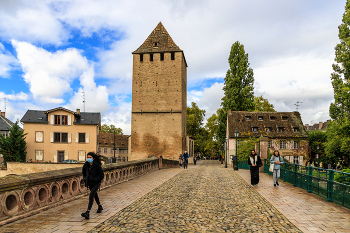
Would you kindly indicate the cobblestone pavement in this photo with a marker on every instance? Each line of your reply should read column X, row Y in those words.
column 207, row 199
column 66, row 218
column 309, row 212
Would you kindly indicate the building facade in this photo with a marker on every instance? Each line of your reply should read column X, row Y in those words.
column 5, row 125
column 60, row 134
column 159, row 98
column 283, row 131
column 318, row 126
column 106, row 146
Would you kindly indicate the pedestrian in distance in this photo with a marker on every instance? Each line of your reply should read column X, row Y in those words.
column 92, row 175
column 185, row 157
column 254, row 162
column 180, row 160
column 194, row 159
column 277, row 160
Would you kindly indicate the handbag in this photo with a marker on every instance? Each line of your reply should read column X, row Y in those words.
column 272, row 165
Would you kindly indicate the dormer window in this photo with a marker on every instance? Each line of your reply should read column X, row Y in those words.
column 40, row 118
column 260, row 118
column 155, row 44
column 272, row 118
column 255, row 129
column 296, row 129
column 280, row 129
column 284, row 118
column 61, row 120
column 248, row 118
column 268, row 129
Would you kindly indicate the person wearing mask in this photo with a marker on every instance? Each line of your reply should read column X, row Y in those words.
column 185, row 157
column 254, row 162
column 277, row 160
column 92, row 175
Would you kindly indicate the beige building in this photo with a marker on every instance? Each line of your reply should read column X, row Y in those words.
column 159, row 98
column 283, row 131
column 106, row 146
column 60, row 134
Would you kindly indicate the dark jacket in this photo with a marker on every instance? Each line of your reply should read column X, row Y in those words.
column 258, row 162
column 92, row 174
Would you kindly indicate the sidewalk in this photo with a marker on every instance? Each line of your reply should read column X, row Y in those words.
column 66, row 218
column 307, row 211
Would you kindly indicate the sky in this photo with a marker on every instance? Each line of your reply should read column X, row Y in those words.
column 60, row 53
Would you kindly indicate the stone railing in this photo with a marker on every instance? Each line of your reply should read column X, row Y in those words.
column 24, row 195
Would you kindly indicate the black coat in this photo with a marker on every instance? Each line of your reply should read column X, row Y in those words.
column 92, row 174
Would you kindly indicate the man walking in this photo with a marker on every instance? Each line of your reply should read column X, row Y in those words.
column 185, row 159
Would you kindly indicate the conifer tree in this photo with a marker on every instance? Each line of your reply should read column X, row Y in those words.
column 14, row 147
column 238, row 87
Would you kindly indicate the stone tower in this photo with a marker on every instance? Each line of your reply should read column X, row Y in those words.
column 159, row 96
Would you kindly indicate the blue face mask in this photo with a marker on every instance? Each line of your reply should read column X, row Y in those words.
column 89, row 160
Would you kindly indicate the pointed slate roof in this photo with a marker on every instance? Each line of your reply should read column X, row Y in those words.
column 5, row 124
column 158, row 41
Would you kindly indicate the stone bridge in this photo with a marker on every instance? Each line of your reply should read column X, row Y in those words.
column 24, row 195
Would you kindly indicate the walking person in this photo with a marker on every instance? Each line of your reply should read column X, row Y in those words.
column 185, row 157
column 277, row 160
column 194, row 159
column 92, row 175
column 254, row 162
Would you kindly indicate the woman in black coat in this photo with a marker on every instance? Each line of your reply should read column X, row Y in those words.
column 92, row 175
column 255, row 162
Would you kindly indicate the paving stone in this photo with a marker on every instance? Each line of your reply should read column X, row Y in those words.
column 207, row 199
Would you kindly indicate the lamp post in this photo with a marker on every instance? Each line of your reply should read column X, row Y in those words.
column 226, row 145
column 222, row 151
column 235, row 165
column 114, row 146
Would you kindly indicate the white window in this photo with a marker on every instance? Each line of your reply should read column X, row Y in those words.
column 81, row 155
column 255, row 129
column 296, row 145
column 268, row 144
column 105, row 150
column 282, row 144
column 111, row 151
column 39, row 155
column 39, row 136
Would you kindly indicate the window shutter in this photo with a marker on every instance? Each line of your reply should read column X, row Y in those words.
column 81, row 155
column 69, row 138
column 301, row 160
column 76, row 137
column 69, row 120
column 86, row 137
column 51, row 136
column 52, row 119
column 65, row 155
column 39, row 136
column 55, row 156
column 38, row 155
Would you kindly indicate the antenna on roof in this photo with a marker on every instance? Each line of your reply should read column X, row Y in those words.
column 83, row 99
column 5, row 105
column 297, row 104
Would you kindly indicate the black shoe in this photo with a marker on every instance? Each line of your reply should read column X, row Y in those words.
column 86, row 215
column 277, row 184
column 99, row 209
column 274, row 185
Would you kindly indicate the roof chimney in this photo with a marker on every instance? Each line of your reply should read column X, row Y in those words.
column 2, row 113
column 320, row 125
column 78, row 111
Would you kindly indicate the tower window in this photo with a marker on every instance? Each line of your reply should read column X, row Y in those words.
column 151, row 57
column 155, row 44
column 141, row 57
column 162, row 56
column 172, row 55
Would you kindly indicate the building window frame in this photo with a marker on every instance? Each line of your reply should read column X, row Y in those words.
column 296, row 145
column 282, row 144
column 37, row 138
column 81, row 137
column 60, row 137
column 37, row 154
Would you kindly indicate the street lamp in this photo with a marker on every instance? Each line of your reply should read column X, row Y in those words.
column 226, row 147
column 114, row 146
column 235, row 165
column 222, row 151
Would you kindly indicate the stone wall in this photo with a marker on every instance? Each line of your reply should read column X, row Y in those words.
column 25, row 195
column 18, row 168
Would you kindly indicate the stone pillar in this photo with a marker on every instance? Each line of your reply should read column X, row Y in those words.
column 160, row 162
column 263, row 154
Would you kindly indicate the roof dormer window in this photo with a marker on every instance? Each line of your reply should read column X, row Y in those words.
column 260, row 118
column 155, row 44
column 272, row 118
column 296, row 129
column 248, row 118
column 284, row 118
column 255, row 129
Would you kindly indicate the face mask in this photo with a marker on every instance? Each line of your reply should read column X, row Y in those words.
column 89, row 160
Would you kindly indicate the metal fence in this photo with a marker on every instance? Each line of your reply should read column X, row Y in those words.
column 327, row 183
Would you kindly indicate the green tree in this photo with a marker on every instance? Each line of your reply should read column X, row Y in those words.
column 341, row 70
column 110, row 129
column 195, row 117
column 14, row 147
column 245, row 147
column 212, row 145
column 317, row 140
column 263, row 105
column 238, row 87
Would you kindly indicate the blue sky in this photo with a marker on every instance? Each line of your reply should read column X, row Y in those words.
column 53, row 51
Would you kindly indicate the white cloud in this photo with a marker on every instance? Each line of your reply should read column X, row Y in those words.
column 49, row 74
column 14, row 97
column 120, row 116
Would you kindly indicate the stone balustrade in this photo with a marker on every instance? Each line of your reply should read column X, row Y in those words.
column 24, row 195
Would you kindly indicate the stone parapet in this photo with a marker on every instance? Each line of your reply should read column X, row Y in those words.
column 24, row 195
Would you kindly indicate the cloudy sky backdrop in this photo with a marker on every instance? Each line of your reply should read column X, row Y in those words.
column 53, row 51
